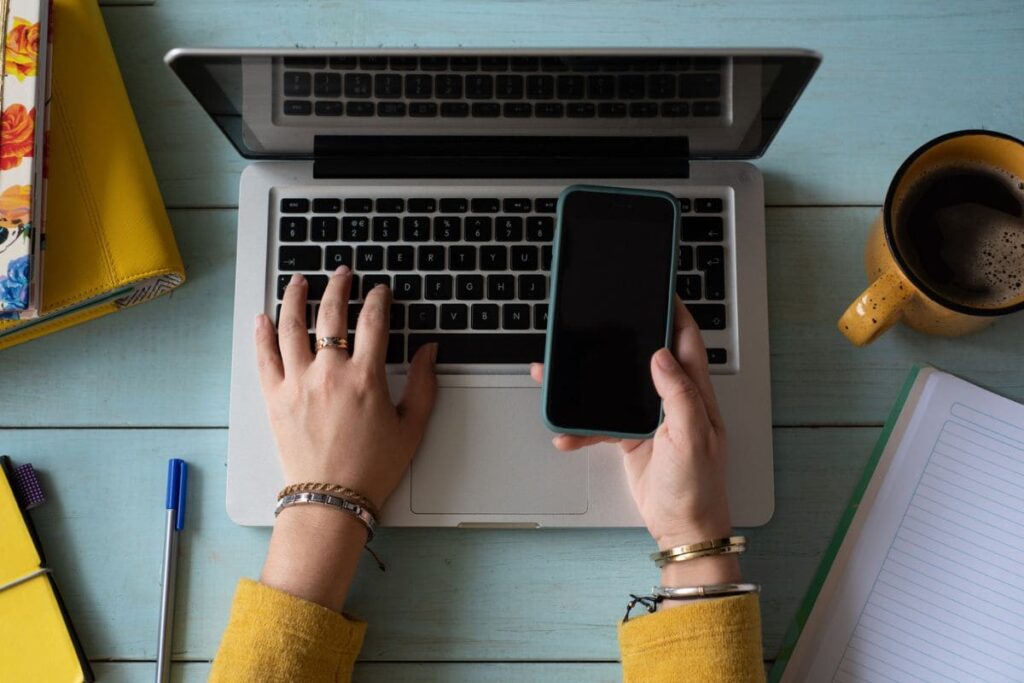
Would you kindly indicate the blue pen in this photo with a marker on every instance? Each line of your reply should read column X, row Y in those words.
column 177, row 478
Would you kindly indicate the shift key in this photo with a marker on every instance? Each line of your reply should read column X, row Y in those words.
column 708, row 316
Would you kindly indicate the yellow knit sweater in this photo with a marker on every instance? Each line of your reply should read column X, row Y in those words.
column 272, row 636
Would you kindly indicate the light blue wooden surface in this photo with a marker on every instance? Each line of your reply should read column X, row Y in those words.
column 100, row 407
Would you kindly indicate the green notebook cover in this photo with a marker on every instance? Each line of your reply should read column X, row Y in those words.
column 794, row 630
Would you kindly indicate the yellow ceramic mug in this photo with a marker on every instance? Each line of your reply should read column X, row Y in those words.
column 900, row 291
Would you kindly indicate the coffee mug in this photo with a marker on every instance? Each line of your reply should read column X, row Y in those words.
column 946, row 253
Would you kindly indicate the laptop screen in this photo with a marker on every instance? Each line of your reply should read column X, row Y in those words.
column 295, row 104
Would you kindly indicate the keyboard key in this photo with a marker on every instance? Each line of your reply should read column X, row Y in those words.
column 546, row 205
column 327, row 84
column 708, row 316
column 371, row 281
column 515, row 316
column 438, row 287
column 717, row 357
column 317, row 285
column 326, row 205
column 540, row 87
column 600, row 87
column 325, row 229
column 611, row 110
column 714, row 282
column 343, row 62
column 309, row 315
column 707, row 205
column 515, row 348
column 684, row 261
column 390, row 205
column 454, row 205
column 545, row 257
column 431, row 257
column 707, row 109
column 422, row 316
column 478, row 229
column 540, row 316
column 447, row 229
column 408, row 287
column 358, row 85
column 643, row 110
column 533, row 287
column 493, row 258
column 359, row 108
column 661, row 86
column 305, row 62
column 282, row 284
column 549, row 110
column 710, row 257
column 448, row 87
column 338, row 256
column 684, row 204
column 518, row 110
column 433, row 63
column 355, row 228
column 294, row 229
column 298, row 258
column 487, row 110
column 423, row 109
column 484, row 316
column 494, row 63
column 454, row 109
column 700, row 85
column 396, row 313
column 358, row 205
column 385, row 228
column 297, row 84
column 370, row 258
column 524, row 63
column 469, row 287
column 675, row 109
column 702, row 229
column 391, row 109
column 509, row 228
column 688, row 287
column 422, row 205
column 401, row 257
column 517, row 205
column 479, row 87
column 297, row 107
column 328, row 108
column 402, row 63
column 295, row 205
column 387, row 86
column 501, row 287
column 462, row 257
column 707, row 63
column 524, row 257
column 631, row 87
column 464, row 63
column 540, row 228
column 419, row 86
column 454, row 317
column 416, row 228
column 571, row 87
column 373, row 63
column 396, row 349
column 581, row 110
column 508, row 87
column 483, row 205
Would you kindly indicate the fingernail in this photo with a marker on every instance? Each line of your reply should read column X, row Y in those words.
column 261, row 320
column 342, row 270
column 664, row 359
column 297, row 279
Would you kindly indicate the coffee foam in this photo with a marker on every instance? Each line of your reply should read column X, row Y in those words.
column 985, row 250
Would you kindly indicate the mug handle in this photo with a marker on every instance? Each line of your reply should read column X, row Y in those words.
column 878, row 308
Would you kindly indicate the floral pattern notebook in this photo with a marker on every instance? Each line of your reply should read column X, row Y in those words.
column 24, row 94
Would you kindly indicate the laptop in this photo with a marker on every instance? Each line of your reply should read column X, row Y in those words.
column 437, row 172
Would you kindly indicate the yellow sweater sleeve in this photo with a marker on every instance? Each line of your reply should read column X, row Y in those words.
column 708, row 641
column 272, row 636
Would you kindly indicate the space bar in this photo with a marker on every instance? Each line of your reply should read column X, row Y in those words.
column 482, row 348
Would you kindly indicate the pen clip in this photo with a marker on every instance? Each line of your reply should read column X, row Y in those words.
column 177, row 487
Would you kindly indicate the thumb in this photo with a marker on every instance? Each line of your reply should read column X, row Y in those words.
column 680, row 394
column 418, row 398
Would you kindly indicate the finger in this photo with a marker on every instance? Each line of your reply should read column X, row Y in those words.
column 684, row 406
column 291, row 327
column 568, row 442
column 332, row 316
column 688, row 348
column 418, row 397
column 537, row 372
column 372, row 328
column 268, row 356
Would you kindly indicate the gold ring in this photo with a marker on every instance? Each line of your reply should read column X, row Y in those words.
column 331, row 343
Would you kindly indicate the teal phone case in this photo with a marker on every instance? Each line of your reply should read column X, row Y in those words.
column 669, row 300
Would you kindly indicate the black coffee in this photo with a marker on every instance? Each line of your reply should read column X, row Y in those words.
column 961, row 229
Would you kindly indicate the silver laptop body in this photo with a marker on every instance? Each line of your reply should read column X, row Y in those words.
column 436, row 171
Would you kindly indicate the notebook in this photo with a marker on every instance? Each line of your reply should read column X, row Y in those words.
column 37, row 641
column 927, row 582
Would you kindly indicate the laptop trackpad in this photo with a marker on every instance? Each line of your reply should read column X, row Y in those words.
column 487, row 452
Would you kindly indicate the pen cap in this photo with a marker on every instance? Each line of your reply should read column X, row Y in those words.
column 177, row 486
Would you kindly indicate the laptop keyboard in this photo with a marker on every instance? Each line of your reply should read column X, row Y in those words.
column 472, row 273
column 501, row 87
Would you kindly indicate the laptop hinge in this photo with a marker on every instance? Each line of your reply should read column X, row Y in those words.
column 480, row 156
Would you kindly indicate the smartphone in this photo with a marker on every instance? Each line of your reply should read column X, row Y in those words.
column 612, row 285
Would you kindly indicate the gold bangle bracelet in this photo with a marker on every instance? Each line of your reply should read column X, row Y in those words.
column 710, row 552
column 695, row 547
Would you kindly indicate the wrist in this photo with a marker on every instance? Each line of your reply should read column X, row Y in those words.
column 704, row 571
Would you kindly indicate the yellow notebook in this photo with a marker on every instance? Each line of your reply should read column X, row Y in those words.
column 108, row 240
column 37, row 641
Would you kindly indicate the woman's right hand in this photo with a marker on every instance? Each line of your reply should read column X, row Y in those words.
column 677, row 477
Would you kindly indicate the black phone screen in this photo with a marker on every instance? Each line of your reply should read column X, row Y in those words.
column 613, row 289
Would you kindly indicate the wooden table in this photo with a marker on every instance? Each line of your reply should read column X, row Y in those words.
column 99, row 408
